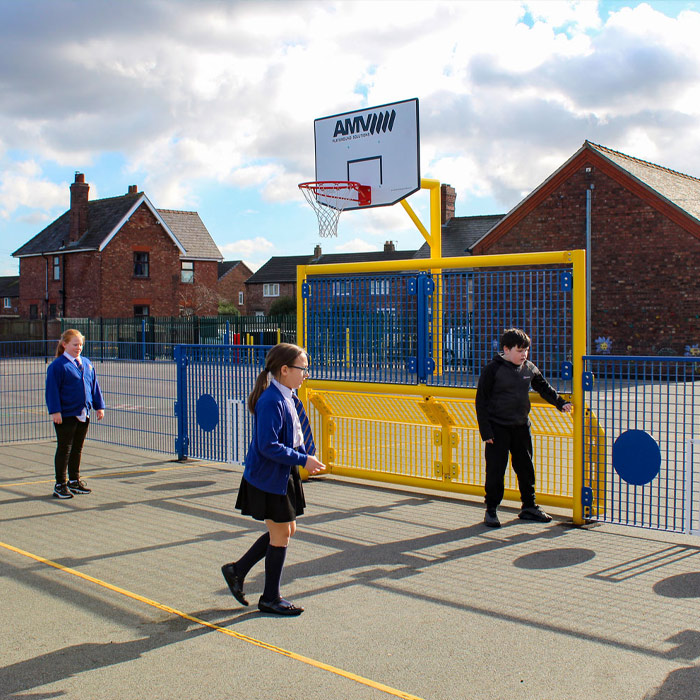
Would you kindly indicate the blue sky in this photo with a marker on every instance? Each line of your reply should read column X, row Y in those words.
column 209, row 106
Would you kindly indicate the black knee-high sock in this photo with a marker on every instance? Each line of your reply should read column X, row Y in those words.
column 256, row 552
column 274, row 563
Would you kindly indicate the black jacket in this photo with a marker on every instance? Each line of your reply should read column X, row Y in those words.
column 502, row 395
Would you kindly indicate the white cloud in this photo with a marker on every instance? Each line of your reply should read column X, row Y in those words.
column 22, row 187
column 195, row 93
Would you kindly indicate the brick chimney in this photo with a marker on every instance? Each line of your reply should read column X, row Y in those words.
column 78, row 208
column 389, row 247
column 317, row 251
column 133, row 189
column 448, row 195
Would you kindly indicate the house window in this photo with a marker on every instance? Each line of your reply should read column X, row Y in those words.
column 341, row 289
column 240, row 298
column 271, row 290
column 52, row 310
column 187, row 272
column 56, row 267
column 33, row 311
column 141, row 265
column 259, row 313
column 7, row 303
column 379, row 286
column 141, row 310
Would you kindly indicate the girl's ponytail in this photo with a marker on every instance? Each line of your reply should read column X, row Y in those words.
column 261, row 383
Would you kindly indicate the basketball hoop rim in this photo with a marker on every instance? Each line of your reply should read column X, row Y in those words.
column 327, row 187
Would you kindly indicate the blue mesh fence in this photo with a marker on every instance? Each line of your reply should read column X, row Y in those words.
column 361, row 328
column 23, row 413
column 641, row 449
column 439, row 329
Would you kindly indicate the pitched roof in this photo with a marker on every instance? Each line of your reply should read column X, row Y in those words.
column 9, row 286
column 682, row 190
column 284, row 268
column 192, row 233
column 227, row 265
column 676, row 195
column 107, row 216
column 460, row 233
column 103, row 216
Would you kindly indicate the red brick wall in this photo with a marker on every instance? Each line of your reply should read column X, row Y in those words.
column 644, row 288
column 257, row 302
column 233, row 282
column 120, row 289
column 33, row 285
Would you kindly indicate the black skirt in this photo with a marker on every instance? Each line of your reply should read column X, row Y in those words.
column 272, row 506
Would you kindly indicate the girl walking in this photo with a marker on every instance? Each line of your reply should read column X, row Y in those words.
column 271, row 488
column 72, row 392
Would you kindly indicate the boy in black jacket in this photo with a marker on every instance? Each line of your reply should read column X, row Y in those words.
column 502, row 410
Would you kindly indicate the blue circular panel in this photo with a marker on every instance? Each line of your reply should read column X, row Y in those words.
column 207, row 413
column 636, row 457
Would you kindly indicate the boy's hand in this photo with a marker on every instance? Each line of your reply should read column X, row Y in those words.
column 490, row 441
column 567, row 408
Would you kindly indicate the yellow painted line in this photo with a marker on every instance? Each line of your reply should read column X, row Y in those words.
column 236, row 635
column 101, row 476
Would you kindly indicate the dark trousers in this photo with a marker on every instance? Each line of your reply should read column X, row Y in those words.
column 71, row 436
column 514, row 440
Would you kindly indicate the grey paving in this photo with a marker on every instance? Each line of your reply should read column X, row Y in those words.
column 407, row 590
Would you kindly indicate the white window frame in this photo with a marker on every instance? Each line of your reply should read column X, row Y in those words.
column 187, row 273
column 341, row 288
column 240, row 298
column 377, row 287
column 7, row 303
column 271, row 290
column 56, row 267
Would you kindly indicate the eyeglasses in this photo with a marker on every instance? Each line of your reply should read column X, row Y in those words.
column 305, row 370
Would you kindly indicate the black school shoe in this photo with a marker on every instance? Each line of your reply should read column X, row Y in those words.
column 235, row 582
column 279, row 607
column 535, row 513
column 61, row 491
column 78, row 486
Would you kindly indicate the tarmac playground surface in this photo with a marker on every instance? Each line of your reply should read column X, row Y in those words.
column 118, row 594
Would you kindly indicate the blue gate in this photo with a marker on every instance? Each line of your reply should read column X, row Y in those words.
column 642, row 441
column 213, row 383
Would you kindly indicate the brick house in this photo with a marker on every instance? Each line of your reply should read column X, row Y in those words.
column 9, row 296
column 118, row 257
column 277, row 278
column 230, row 287
column 644, row 223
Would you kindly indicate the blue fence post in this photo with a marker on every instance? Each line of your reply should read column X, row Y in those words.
column 425, row 362
column 182, row 439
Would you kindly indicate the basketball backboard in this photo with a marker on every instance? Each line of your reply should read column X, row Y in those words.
column 376, row 146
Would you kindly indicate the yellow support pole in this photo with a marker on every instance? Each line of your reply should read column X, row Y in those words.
column 578, row 259
column 301, row 276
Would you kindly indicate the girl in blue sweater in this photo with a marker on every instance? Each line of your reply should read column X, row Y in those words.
column 271, row 487
column 72, row 392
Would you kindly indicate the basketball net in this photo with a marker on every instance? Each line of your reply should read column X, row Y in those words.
column 330, row 198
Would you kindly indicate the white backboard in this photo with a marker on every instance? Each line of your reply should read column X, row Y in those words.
column 376, row 146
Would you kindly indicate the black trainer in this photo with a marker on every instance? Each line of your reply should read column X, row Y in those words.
column 535, row 513
column 78, row 486
column 61, row 491
column 491, row 518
